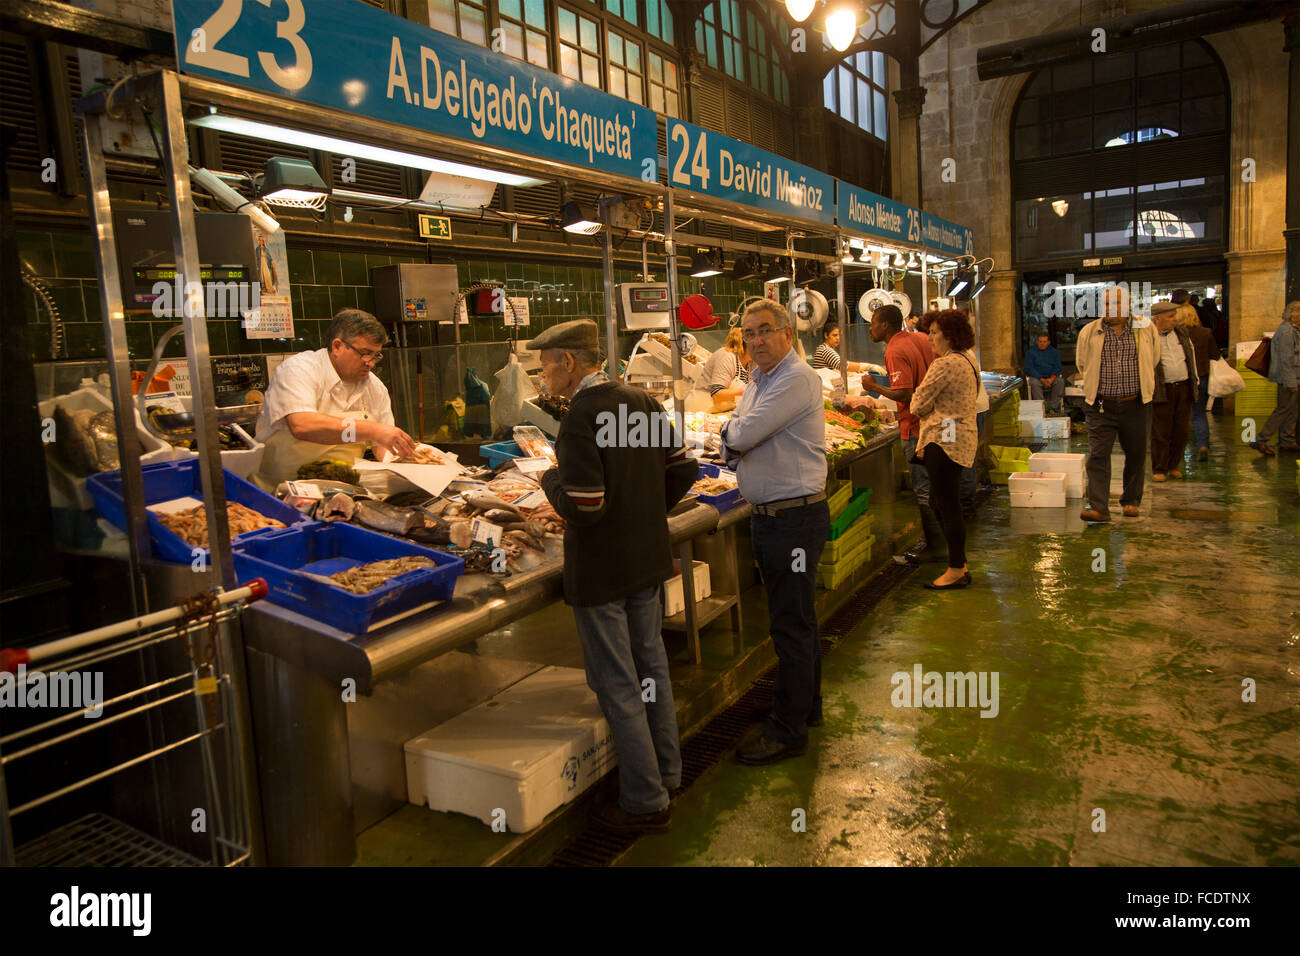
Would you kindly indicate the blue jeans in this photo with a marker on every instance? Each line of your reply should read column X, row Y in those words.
column 969, row 483
column 920, row 477
column 622, row 644
column 791, row 582
column 1199, row 421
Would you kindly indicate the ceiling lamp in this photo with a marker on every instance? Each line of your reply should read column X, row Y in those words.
column 808, row 271
column 842, row 26
column 899, row 261
column 579, row 220
column 865, row 256
column 706, row 263
column 288, row 181
column 962, row 281
column 846, row 256
column 1060, row 207
column 912, row 262
column 778, row 271
column 748, row 266
column 344, row 147
column 799, row 9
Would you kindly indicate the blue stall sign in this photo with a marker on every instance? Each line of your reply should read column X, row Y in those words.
column 865, row 212
column 940, row 235
column 706, row 162
column 351, row 57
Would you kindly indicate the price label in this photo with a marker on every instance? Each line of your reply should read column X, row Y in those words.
column 533, row 466
column 534, row 499
column 485, row 532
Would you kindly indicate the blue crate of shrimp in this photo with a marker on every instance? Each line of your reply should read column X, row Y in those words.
column 723, row 500
column 346, row 576
column 173, row 490
column 499, row 452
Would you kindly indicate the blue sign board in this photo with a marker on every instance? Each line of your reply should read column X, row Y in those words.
column 352, row 57
column 706, row 162
column 941, row 236
column 865, row 212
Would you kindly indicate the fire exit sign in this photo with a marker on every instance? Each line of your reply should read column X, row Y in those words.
column 435, row 227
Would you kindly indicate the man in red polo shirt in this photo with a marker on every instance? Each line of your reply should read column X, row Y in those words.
column 907, row 357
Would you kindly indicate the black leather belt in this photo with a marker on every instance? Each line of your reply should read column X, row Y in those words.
column 774, row 507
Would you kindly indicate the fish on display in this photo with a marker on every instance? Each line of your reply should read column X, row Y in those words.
column 103, row 431
column 386, row 517
column 72, row 443
column 486, row 501
column 337, row 507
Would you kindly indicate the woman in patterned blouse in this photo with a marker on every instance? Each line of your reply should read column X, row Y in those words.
column 948, row 440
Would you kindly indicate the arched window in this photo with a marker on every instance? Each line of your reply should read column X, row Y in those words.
column 1124, row 152
column 857, row 90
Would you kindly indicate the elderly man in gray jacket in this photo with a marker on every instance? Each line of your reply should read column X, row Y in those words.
column 1283, row 369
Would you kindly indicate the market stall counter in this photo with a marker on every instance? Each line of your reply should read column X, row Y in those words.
column 309, row 685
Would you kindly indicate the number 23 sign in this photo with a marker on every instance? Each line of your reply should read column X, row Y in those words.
column 203, row 48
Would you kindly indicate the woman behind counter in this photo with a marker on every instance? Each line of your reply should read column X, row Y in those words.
column 826, row 355
column 945, row 404
column 726, row 371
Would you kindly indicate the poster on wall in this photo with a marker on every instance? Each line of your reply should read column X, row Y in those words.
column 517, row 313
column 272, row 314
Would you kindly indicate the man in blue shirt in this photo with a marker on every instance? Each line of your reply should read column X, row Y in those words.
column 1043, row 371
column 776, row 442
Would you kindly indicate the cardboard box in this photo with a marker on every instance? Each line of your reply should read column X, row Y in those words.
column 534, row 747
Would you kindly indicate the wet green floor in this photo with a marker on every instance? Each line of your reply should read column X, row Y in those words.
column 1121, row 736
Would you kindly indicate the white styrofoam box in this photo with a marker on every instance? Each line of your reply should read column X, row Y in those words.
column 1021, row 481
column 69, row 491
column 1073, row 466
column 1050, row 428
column 1031, row 409
column 1074, row 391
column 1029, row 427
column 1038, row 499
column 535, row 746
column 674, row 599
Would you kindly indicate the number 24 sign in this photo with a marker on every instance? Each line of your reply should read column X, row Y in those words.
column 203, row 48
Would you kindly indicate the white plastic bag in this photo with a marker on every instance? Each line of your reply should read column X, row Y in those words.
column 513, row 388
column 1224, row 379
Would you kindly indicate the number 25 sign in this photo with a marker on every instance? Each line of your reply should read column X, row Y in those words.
column 203, row 47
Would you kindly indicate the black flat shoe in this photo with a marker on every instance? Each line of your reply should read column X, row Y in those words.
column 954, row 586
column 611, row 816
column 762, row 751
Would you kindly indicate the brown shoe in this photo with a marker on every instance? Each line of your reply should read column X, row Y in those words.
column 1175, row 473
column 1262, row 448
column 1159, row 476
column 1132, row 511
column 1093, row 515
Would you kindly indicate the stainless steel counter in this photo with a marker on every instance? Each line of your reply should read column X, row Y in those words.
column 481, row 604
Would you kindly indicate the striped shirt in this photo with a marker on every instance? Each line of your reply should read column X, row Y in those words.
column 1118, row 374
column 826, row 357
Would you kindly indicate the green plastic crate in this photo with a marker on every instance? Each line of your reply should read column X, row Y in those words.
column 857, row 506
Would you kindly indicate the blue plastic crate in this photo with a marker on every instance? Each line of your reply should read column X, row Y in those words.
column 282, row 555
column 499, row 452
column 167, row 480
column 881, row 378
column 725, row 501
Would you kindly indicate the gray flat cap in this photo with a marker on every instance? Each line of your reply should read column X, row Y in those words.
column 578, row 334
column 1158, row 307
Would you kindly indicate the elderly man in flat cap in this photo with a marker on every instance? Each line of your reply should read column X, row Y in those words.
column 616, row 480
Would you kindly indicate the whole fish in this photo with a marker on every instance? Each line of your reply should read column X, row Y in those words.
column 486, row 501
column 382, row 517
column 103, row 431
column 72, row 443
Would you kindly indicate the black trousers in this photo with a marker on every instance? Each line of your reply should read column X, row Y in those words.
column 787, row 547
column 945, row 500
column 1171, row 424
column 1130, row 421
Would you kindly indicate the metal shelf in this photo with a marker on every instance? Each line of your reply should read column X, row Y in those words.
column 100, row 840
column 706, row 611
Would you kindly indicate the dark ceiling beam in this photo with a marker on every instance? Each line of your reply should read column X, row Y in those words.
column 1184, row 21
column 74, row 27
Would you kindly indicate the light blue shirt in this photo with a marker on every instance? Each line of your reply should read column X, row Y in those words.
column 778, row 433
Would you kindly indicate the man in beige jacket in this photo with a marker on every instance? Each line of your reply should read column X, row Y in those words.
column 1117, row 357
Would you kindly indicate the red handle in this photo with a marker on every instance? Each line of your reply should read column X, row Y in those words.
column 258, row 588
column 10, row 658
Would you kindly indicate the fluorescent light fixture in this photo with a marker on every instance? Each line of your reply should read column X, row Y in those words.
column 779, row 270
column 842, row 26
column 961, row 281
column 232, row 200
column 978, row 287
column 705, row 263
column 576, row 219
column 799, row 9
column 347, row 147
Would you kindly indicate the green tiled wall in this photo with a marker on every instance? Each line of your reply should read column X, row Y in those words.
column 324, row 281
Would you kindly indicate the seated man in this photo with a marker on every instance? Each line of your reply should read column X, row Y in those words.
column 1043, row 372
